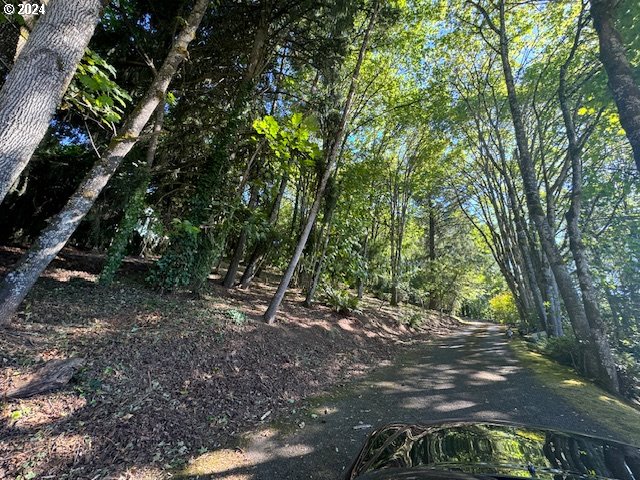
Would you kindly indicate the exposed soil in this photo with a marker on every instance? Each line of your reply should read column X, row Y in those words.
column 170, row 377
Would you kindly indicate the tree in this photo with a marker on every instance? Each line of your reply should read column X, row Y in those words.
column 331, row 156
column 18, row 282
column 40, row 76
column 597, row 350
column 623, row 86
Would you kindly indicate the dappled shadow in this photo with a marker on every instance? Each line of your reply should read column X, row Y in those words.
column 469, row 376
column 171, row 376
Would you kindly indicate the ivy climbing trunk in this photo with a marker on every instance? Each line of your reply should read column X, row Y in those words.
column 238, row 252
column 622, row 84
column 41, row 74
column 190, row 257
column 263, row 246
column 17, row 283
column 331, row 162
column 134, row 207
column 319, row 264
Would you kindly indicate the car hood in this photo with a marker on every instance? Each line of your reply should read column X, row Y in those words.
column 466, row 450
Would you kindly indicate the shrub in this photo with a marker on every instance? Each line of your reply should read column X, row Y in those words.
column 503, row 308
column 566, row 350
column 414, row 320
column 237, row 317
column 341, row 300
column 629, row 375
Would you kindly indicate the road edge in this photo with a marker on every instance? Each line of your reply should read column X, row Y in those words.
column 612, row 412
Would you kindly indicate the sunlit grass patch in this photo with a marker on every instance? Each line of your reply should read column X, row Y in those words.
column 215, row 462
column 573, row 382
column 614, row 413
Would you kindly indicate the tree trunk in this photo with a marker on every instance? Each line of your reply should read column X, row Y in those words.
column 585, row 280
column 433, row 301
column 26, row 29
column 40, row 76
column 361, row 277
column 317, row 271
column 575, row 309
column 262, row 247
column 17, row 283
column 172, row 269
column 332, row 158
column 234, row 264
column 622, row 84
column 554, row 312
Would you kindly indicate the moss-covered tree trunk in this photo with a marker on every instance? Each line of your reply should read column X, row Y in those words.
column 596, row 352
column 576, row 245
column 622, row 83
column 134, row 207
column 191, row 254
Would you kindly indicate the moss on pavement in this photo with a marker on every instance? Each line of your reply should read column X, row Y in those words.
column 612, row 412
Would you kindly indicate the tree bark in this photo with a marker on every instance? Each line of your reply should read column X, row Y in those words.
column 317, row 271
column 262, row 247
column 622, row 84
column 433, row 301
column 17, row 283
column 134, row 206
column 554, row 312
column 332, row 158
column 41, row 74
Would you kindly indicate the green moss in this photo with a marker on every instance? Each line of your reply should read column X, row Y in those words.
column 612, row 412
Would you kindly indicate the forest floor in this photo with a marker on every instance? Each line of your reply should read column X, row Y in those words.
column 169, row 378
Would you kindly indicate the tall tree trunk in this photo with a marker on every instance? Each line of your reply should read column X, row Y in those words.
column 319, row 264
column 554, row 311
column 585, row 280
column 236, row 258
column 40, row 76
column 362, row 275
column 17, row 283
column 26, row 29
column 262, row 247
column 332, row 158
column 596, row 366
column 192, row 269
column 622, row 84
column 433, row 301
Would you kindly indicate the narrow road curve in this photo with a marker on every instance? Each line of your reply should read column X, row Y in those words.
column 471, row 375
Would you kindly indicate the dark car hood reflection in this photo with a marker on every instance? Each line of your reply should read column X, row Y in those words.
column 488, row 450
